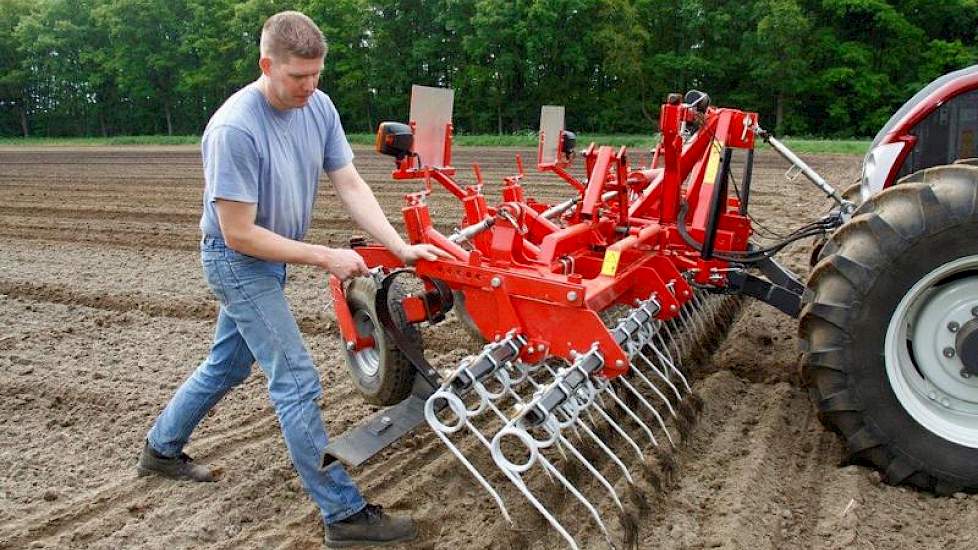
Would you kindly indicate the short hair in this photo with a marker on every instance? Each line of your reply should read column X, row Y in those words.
column 292, row 33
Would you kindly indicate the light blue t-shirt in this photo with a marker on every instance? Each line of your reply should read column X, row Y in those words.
column 255, row 153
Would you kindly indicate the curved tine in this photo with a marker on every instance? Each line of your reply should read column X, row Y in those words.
column 614, row 397
column 655, row 389
column 680, row 353
column 587, row 464
column 429, row 414
column 688, row 329
column 672, row 329
column 649, row 406
column 665, row 347
column 672, row 367
column 700, row 312
column 580, row 496
column 661, row 375
column 696, row 310
column 618, row 429
column 704, row 301
column 517, row 480
column 614, row 458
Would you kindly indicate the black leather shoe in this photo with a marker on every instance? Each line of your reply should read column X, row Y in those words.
column 180, row 468
column 370, row 527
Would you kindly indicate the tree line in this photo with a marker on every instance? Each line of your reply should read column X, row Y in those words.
column 831, row 68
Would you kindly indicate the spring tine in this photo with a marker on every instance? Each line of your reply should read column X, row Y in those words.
column 672, row 367
column 614, row 425
column 678, row 343
column 614, row 397
column 648, row 405
column 458, row 408
column 655, row 388
column 688, row 328
column 696, row 311
column 587, row 464
column 665, row 346
column 614, row 458
column 577, row 494
column 517, row 480
column 661, row 375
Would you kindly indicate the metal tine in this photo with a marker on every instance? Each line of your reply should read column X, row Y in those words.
column 678, row 335
column 670, row 360
column 667, row 359
column 648, row 405
column 638, row 352
column 460, row 382
column 653, row 386
column 599, row 405
column 601, row 444
column 517, row 428
column 572, row 419
column 441, row 429
column 605, row 386
column 633, row 350
column 702, row 314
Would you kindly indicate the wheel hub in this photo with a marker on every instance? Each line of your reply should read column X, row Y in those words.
column 966, row 347
column 367, row 360
column 931, row 351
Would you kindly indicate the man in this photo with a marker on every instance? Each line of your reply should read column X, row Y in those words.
column 263, row 152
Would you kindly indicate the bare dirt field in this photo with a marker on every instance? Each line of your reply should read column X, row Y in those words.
column 104, row 312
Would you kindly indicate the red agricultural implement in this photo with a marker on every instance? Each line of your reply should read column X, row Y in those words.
column 593, row 307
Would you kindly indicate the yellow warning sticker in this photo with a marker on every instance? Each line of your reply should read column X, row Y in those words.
column 610, row 265
column 713, row 162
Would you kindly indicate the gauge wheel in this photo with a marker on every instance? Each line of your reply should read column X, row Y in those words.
column 381, row 373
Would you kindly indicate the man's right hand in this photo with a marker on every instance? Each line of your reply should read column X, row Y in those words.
column 341, row 262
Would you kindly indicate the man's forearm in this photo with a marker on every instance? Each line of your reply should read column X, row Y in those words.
column 261, row 243
column 360, row 202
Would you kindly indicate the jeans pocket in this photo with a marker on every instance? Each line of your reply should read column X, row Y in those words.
column 216, row 279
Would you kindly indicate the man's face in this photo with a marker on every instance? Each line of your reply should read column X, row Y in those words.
column 292, row 80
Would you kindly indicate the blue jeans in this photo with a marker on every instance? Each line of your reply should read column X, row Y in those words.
column 255, row 323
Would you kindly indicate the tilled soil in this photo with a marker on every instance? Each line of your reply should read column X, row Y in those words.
column 104, row 313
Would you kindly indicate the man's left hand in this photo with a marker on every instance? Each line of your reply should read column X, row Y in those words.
column 424, row 251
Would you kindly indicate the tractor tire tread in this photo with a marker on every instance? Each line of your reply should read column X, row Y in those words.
column 852, row 263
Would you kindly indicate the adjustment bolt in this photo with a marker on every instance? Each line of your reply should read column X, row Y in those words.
column 673, row 307
column 351, row 345
column 946, row 403
column 965, row 374
column 540, row 348
column 620, row 364
column 932, row 396
column 949, row 352
column 953, row 326
column 495, row 282
column 572, row 296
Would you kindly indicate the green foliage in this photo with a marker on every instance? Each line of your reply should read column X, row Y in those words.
column 811, row 67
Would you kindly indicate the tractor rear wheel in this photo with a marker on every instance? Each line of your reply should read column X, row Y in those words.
column 381, row 373
column 890, row 331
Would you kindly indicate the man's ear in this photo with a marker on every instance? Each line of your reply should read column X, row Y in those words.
column 265, row 63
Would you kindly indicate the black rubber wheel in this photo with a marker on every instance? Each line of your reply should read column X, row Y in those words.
column 877, row 308
column 382, row 374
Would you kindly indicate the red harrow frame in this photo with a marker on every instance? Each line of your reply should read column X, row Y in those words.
column 656, row 249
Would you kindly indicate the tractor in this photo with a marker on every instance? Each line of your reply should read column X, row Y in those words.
column 592, row 310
